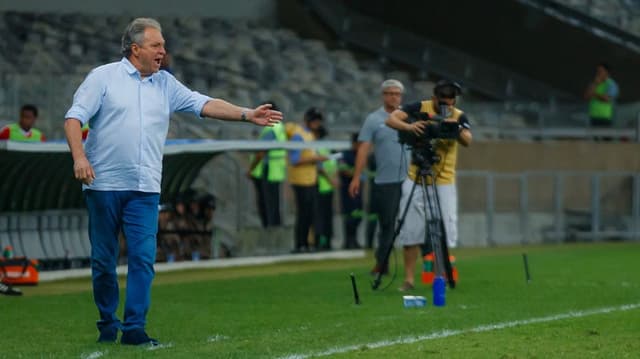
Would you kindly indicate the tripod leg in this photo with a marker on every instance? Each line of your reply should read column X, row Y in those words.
column 442, row 256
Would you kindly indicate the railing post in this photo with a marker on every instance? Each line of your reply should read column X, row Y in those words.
column 635, row 207
column 524, row 206
column 595, row 206
column 490, row 208
column 558, row 197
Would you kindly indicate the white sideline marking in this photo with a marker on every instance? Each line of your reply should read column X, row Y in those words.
column 49, row 276
column 479, row 329
column 160, row 346
column 216, row 338
column 94, row 355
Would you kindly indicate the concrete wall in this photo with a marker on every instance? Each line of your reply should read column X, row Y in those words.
column 505, row 156
column 513, row 157
column 246, row 9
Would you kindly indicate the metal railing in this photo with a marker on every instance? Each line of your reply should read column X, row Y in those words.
column 601, row 212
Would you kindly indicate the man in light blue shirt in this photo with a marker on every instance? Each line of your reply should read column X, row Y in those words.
column 127, row 105
column 392, row 163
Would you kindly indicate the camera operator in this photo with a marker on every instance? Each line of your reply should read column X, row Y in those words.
column 441, row 107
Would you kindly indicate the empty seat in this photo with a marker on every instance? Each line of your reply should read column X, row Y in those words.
column 30, row 236
column 51, row 237
column 4, row 232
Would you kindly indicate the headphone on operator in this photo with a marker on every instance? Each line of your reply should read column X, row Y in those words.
column 447, row 89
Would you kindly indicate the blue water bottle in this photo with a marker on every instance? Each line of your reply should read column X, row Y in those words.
column 439, row 291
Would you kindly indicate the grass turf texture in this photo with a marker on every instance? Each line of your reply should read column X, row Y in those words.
column 306, row 308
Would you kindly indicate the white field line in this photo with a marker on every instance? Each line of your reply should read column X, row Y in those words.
column 160, row 346
column 94, row 355
column 479, row 329
column 100, row 354
column 49, row 276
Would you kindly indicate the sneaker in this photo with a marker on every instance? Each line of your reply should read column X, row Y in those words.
column 108, row 335
column 406, row 286
column 9, row 290
column 137, row 337
column 378, row 269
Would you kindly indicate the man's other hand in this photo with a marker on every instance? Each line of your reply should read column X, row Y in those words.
column 83, row 171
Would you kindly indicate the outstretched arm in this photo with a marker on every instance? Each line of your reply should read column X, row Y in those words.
column 262, row 115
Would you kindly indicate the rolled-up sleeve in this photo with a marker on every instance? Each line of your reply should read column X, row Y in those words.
column 88, row 98
column 181, row 99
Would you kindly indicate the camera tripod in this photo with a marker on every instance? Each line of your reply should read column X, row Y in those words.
column 435, row 234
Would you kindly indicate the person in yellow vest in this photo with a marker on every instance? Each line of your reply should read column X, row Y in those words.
column 23, row 130
column 303, row 176
column 327, row 182
column 412, row 234
column 601, row 94
column 267, row 171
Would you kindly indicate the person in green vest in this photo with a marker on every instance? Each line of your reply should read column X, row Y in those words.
column 601, row 94
column 23, row 130
column 327, row 182
column 267, row 171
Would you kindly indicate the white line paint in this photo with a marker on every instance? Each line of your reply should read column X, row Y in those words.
column 48, row 276
column 94, row 355
column 216, row 338
column 449, row 333
column 160, row 346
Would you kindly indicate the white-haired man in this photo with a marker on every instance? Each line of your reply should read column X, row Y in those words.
column 128, row 104
column 391, row 167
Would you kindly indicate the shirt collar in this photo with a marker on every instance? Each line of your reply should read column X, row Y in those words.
column 131, row 70
column 129, row 66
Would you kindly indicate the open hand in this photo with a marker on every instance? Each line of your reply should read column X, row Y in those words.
column 263, row 115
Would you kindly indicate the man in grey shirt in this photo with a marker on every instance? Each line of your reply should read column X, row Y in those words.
column 391, row 167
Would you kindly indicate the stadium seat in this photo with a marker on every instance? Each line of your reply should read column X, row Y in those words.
column 14, row 234
column 51, row 237
column 70, row 238
column 30, row 236
column 4, row 234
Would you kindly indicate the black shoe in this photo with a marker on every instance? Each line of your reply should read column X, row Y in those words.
column 137, row 337
column 9, row 290
column 108, row 335
column 378, row 269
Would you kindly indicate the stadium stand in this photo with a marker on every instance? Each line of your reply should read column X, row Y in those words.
column 624, row 14
column 241, row 61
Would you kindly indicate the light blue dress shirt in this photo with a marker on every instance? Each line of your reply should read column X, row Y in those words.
column 129, row 119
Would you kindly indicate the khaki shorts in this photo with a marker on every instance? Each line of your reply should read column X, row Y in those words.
column 413, row 230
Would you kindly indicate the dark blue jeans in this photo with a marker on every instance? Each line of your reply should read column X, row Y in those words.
column 136, row 214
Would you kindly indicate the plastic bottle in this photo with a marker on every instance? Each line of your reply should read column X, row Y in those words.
column 427, row 269
column 8, row 252
column 439, row 291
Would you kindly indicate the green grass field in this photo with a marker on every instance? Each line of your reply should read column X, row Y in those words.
column 573, row 308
